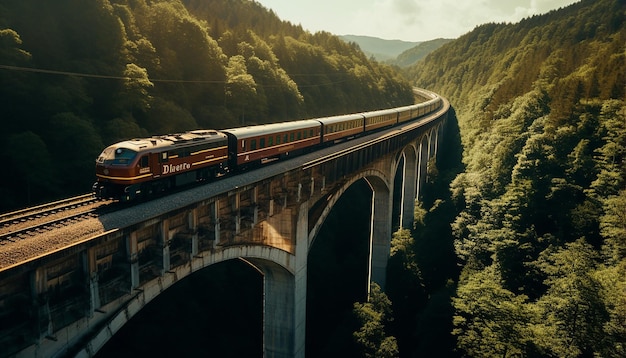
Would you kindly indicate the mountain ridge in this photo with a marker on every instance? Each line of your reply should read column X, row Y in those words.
column 379, row 48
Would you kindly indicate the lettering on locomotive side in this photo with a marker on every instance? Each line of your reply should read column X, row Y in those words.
column 170, row 168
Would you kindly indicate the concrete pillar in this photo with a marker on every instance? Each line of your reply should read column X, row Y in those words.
column 255, row 202
column 432, row 149
column 422, row 165
column 237, row 213
column 380, row 234
column 133, row 259
column 39, row 286
column 216, row 220
column 278, row 309
column 302, row 254
column 92, row 274
column 284, row 303
column 192, row 225
column 164, row 242
column 409, row 190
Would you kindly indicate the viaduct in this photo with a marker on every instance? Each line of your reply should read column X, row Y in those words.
column 73, row 300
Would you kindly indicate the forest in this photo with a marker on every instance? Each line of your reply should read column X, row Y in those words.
column 76, row 76
column 538, row 205
column 519, row 243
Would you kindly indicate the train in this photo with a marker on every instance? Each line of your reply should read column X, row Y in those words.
column 142, row 167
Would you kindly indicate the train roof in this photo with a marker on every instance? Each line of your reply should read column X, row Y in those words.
column 177, row 140
column 380, row 112
column 340, row 118
column 272, row 128
column 412, row 106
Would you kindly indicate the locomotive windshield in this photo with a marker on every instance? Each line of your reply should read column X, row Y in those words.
column 116, row 156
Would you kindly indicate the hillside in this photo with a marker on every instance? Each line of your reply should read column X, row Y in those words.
column 540, row 223
column 77, row 76
column 412, row 55
column 378, row 48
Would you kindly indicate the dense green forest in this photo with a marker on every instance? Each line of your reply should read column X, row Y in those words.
column 539, row 225
column 76, row 76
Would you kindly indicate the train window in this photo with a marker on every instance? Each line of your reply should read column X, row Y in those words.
column 143, row 162
column 121, row 156
column 262, row 143
column 252, row 144
column 311, row 133
column 291, row 137
column 163, row 157
column 270, row 141
column 278, row 139
column 243, row 144
column 286, row 139
column 299, row 135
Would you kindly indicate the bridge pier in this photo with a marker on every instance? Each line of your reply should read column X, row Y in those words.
column 423, row 154
column 380, row 235
column 409, row 189
column 284, row 298
column 133, row 259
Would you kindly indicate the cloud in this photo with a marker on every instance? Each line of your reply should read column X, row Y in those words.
column 411, row 20
column 419, row 20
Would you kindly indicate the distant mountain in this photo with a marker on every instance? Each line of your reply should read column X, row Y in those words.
column 395, row 52
column 414, row 54
column 380, row 49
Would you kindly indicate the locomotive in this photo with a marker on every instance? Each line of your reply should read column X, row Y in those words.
column 140, row 167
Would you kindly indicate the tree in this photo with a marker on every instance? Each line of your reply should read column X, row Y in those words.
column 490, row 321
column 405, row 287
column 240, row 87
column 31, row 161
column 10, row 51
column 571, row 314
column 373, row 317
column 613, row 293
column 74, row 143
column 135, row 95
column 613, row 228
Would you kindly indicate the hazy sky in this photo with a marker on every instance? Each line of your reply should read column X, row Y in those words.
column 409, row 20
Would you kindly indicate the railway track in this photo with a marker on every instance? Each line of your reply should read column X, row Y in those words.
column 21, row 224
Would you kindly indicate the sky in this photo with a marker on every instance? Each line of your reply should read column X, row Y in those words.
column 408, row 20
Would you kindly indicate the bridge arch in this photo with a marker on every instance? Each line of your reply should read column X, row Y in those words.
column 275, row 264
column 333, row 198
